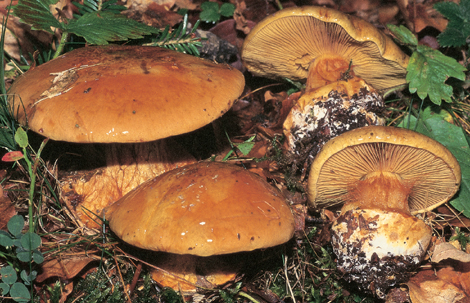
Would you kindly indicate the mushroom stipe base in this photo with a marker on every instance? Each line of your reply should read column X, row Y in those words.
column 378, row 249
column 310, row 126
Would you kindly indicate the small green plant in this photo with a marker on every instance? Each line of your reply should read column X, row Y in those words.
column 244, row 147
column 212, row 12
column 112, row 26
column 26, row 251
column 180, row 39
column 428, row 69
column 458, row 29
column 461, row 237
column 100, row 22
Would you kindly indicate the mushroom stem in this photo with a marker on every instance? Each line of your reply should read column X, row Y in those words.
column 379, row 190
column 127, row 166
column 327, row 69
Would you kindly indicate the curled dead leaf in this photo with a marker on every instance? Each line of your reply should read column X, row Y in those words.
column 436, row 291
column 7, row 209
column 446, row 250
column 65, row 269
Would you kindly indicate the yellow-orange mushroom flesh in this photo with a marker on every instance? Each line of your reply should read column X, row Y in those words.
column 380, row 190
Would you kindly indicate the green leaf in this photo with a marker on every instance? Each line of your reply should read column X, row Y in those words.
column 24, row 255
column 403, row 34
column 101, row 27
column 428, row 69
column 15, row 225
column 5, row 289
column 30, row 241
column 38, row 257
column 20, row 293
column 5, row 239
column 210, row 12
column 27, row 279
column 458, row 28
column 21, row 137
column 452, row 137
column 9, row 275
column 247, row 146
column 37, row 13
column 227, row 9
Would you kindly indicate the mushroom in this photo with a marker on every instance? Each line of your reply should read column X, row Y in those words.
column 128, row 98
column 320, row 45
column 200, row 217
column 382, row 176
column 325, row 47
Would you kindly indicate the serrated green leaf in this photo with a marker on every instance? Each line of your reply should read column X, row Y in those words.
column 458, row 28
column 403, row 34
column 227, row 9
column 213, row 6
column 37, row 13
column 101, row 27
column 428, row 69
column 452, row 37
column 210, row 12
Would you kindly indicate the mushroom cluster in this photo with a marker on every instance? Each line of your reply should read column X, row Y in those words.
column 382, row 176
column 130, row 100
column 199, row 217
column 345, row 61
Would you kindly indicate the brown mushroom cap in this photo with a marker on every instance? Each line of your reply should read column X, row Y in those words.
column 123, row 94
column 426, row 166
column 287, row 43
column 203, row 209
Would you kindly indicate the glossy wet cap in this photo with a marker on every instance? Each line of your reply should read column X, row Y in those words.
column 123, row 94
column 203, row 209
column 286, row 43
column 416, row 159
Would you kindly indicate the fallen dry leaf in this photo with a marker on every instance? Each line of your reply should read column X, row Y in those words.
column 454, row 219
column 446, row 250
column 421, row 15
column 7, row 209
column 436, row 291
column 458, row 275
column 64, row 269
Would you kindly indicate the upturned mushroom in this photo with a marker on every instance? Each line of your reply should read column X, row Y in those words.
column 345, row 61
column 199, row 217
column 382, row 176
column 128, row 98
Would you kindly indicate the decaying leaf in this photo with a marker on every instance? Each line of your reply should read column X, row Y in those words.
column 64, row 268
column 421, row 15
column 446, row 250
column 7, row 209
column 435, row 290
column 458, row 275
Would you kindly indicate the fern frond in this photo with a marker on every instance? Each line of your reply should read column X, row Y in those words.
column 90, row 6
column 179, row 39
